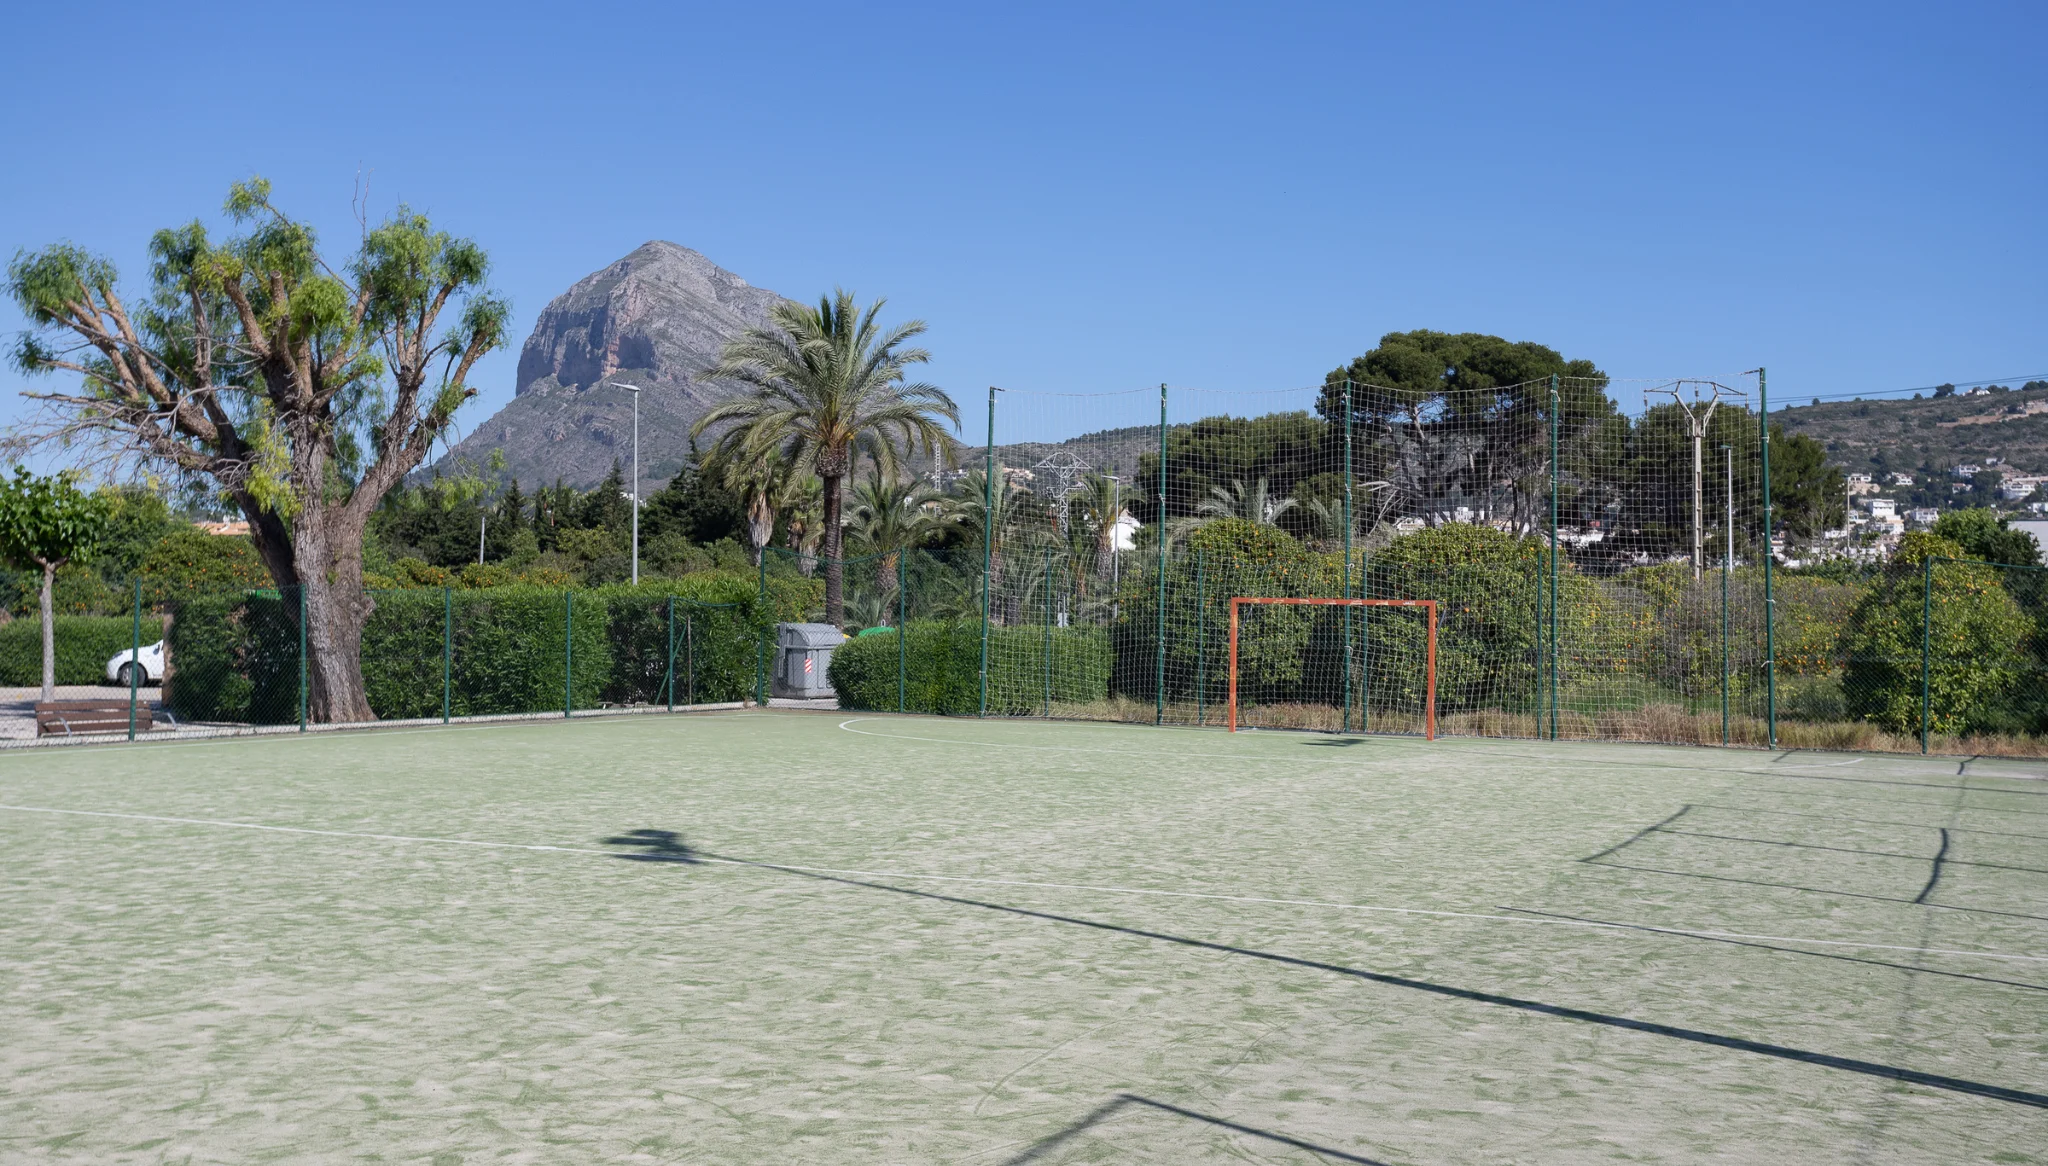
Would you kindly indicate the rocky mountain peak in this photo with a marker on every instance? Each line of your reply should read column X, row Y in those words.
column 656, row 318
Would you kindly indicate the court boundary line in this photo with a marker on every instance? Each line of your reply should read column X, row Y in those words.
column 1144, row 892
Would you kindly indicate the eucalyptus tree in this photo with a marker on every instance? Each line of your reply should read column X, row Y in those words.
column 300, row 389
column 828, row 382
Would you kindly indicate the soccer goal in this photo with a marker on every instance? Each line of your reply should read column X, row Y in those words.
column 1302, row 662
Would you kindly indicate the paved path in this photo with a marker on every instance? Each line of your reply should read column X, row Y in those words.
column 17, row 705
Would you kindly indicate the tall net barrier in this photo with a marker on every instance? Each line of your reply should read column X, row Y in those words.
column 1600, row 553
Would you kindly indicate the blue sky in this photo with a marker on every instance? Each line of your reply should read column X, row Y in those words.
column 1098, row 197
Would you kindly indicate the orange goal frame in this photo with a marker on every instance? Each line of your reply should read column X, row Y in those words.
column 1429, row 693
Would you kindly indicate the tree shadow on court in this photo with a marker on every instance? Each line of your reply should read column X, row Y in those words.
column 654, row 846
column 662, row 840
column 1123, row 1101
column 1337, row 742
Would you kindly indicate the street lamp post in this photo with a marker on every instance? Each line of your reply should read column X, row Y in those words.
column 635, row 390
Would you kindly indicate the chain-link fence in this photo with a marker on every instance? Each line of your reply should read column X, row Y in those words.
column 1601, row 572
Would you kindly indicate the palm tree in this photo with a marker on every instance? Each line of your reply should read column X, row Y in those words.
column 1099, row 504
column 889, row 517
column 828, row 381
column 1256, row 505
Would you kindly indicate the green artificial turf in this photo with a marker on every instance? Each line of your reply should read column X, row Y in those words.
column 783, row 937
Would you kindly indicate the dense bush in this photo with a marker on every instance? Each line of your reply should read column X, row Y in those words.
column 1977, row 636
column 942, row 668
column 84, row 645
column 188, row 562
column 236, row 657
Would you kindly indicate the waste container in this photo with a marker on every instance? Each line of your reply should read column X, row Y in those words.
column 803, row 653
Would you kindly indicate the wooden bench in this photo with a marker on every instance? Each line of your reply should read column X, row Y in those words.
column 72, row 717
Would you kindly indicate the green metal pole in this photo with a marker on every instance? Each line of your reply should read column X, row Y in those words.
column 302, row 657
column 135, row 659
column 1344, row 720
column 568, row 653
column 1763, row 397
column 1727, row 566
column 902, row 632
column 1926, row 640
column 1365, row 645
column 447, row 652
column 761, row 642
column 988, row 524
column 1159, row 593
column 1553, row 555
column 668, row 682
column 1201, row 641
column 1048, row 631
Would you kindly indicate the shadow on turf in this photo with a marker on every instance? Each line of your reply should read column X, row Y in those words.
column 1337, row 742
column 654, row 846
column 1122, row 1101
column 1470, row 995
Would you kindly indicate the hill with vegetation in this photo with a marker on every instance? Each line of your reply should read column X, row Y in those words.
column 2004, row 427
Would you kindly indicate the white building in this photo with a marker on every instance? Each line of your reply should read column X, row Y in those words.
column 1881, row 508
column 1861, row 484
column 1925, row 516
column 1902, row 479
column 2019, row 487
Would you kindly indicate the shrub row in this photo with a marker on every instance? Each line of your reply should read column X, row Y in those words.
column 84, row 645
column 492, row 651
column 941, row 668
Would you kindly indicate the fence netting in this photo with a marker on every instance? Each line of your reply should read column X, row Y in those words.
column 1610, row 560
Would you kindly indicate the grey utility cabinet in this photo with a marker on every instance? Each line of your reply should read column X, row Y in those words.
column 803, row 653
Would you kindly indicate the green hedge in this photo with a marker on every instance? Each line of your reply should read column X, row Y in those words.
column 942, row 666
column 235, row 658
column 84, row 645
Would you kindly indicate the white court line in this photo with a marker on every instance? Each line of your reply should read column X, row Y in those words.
column 1140, row 891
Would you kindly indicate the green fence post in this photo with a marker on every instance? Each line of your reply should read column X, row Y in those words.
column 302, row 657
column 1553, row 555
column 447, row 651
column 1926, row 639
column 902, row 632
column 1048, row 631
column 1365, row 645
column 1763, row 397
column 1201, row 641
column 690, row 655
column 988, row 524
column 1344, row 720
column 568, row 653
column 1159, row 593
column 135, row 660
column 761, row 642
column 668, row 682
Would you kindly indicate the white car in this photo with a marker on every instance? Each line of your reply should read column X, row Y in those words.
column 150, row 659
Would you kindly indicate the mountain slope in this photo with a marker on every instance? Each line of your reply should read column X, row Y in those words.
column 656, row 318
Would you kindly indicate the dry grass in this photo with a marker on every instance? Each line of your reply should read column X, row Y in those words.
column 1661, row 723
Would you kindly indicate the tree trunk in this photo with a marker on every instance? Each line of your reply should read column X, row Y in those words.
column 328, row 551
column 835, row 571
column 49, row 633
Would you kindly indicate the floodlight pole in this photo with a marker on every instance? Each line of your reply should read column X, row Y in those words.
column 1763, row 401
column 635, row 390
column 988, row 535
column 1727, row 566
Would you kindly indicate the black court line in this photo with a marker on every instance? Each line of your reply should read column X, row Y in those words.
column 1935, row 876
column 1687, row 874
column 1938, row 858
column 1975, row 789
column 1965, row 766
column 1121, row 1101
column 1852, row 959
column 1639, row 835
column 1870, row 821
column 1471, row 995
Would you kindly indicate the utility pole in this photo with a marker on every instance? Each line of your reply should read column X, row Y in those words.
column 1710, row 394
column 635, row 390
